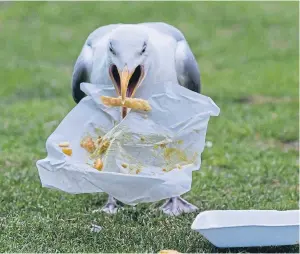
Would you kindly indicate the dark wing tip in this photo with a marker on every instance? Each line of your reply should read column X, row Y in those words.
column 80, row 75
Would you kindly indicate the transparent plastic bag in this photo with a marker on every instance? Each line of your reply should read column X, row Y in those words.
column 151, row 155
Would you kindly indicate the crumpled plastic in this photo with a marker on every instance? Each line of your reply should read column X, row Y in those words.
column 161, row 147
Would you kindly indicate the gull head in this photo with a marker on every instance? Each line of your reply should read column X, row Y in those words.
column 128, row 53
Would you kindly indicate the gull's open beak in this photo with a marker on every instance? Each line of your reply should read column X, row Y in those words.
column 125, row 76
column 126, row 81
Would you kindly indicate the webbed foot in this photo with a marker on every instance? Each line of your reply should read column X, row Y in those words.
column 111, row 207
column 176, row 206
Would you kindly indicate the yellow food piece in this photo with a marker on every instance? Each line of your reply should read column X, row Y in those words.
column 67, row 151
column 104, row 145
column 124, row 165
column 178, row 166
column 64, row 144
column 163, row 145
column 164, row 169
column 99, row 140
column 169, row 252
column 180, row 142
column 138, row 171
column 138, row 104
column 88, row 144
column 98, row 164
column 171, row 153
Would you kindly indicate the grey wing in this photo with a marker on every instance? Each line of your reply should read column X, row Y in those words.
column 187, row 69
column 188, row 73
column 81, row 72
column 84, row 62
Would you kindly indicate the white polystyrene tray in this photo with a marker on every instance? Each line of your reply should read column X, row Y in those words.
column 248, row 228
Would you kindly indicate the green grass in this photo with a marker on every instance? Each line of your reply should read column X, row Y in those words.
column 248, row 55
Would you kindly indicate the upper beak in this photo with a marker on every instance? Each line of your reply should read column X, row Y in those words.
column 125, row 76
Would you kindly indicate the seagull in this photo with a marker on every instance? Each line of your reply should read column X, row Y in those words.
column 130, row 56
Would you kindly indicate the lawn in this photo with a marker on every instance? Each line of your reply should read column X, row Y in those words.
column 248, row 56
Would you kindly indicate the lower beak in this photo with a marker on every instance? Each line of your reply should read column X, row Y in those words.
column 125, row 76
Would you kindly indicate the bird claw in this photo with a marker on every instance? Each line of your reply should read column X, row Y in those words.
column 176, row 206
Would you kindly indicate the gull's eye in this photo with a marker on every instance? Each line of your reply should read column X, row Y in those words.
column 111, row 49
column 144, row 48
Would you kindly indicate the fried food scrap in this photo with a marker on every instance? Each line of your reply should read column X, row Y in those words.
column 88, row 144
column 169, row 252
column 163, row 145
column 99, row 140
column 98, row 164
column 104, row 145
column 66, row 150
column 64, row 144
column 178, row 166
column 138, row 171
column 124, row 165
column 164, row 169
column 134, row 103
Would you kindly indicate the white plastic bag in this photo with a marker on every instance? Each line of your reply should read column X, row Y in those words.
column 160, row 148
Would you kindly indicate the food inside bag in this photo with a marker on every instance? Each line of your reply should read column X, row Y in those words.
column 145, row 157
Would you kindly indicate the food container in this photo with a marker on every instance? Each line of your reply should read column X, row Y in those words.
column 248, row 228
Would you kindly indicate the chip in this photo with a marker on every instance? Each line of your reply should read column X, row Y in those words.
column 134, row 103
